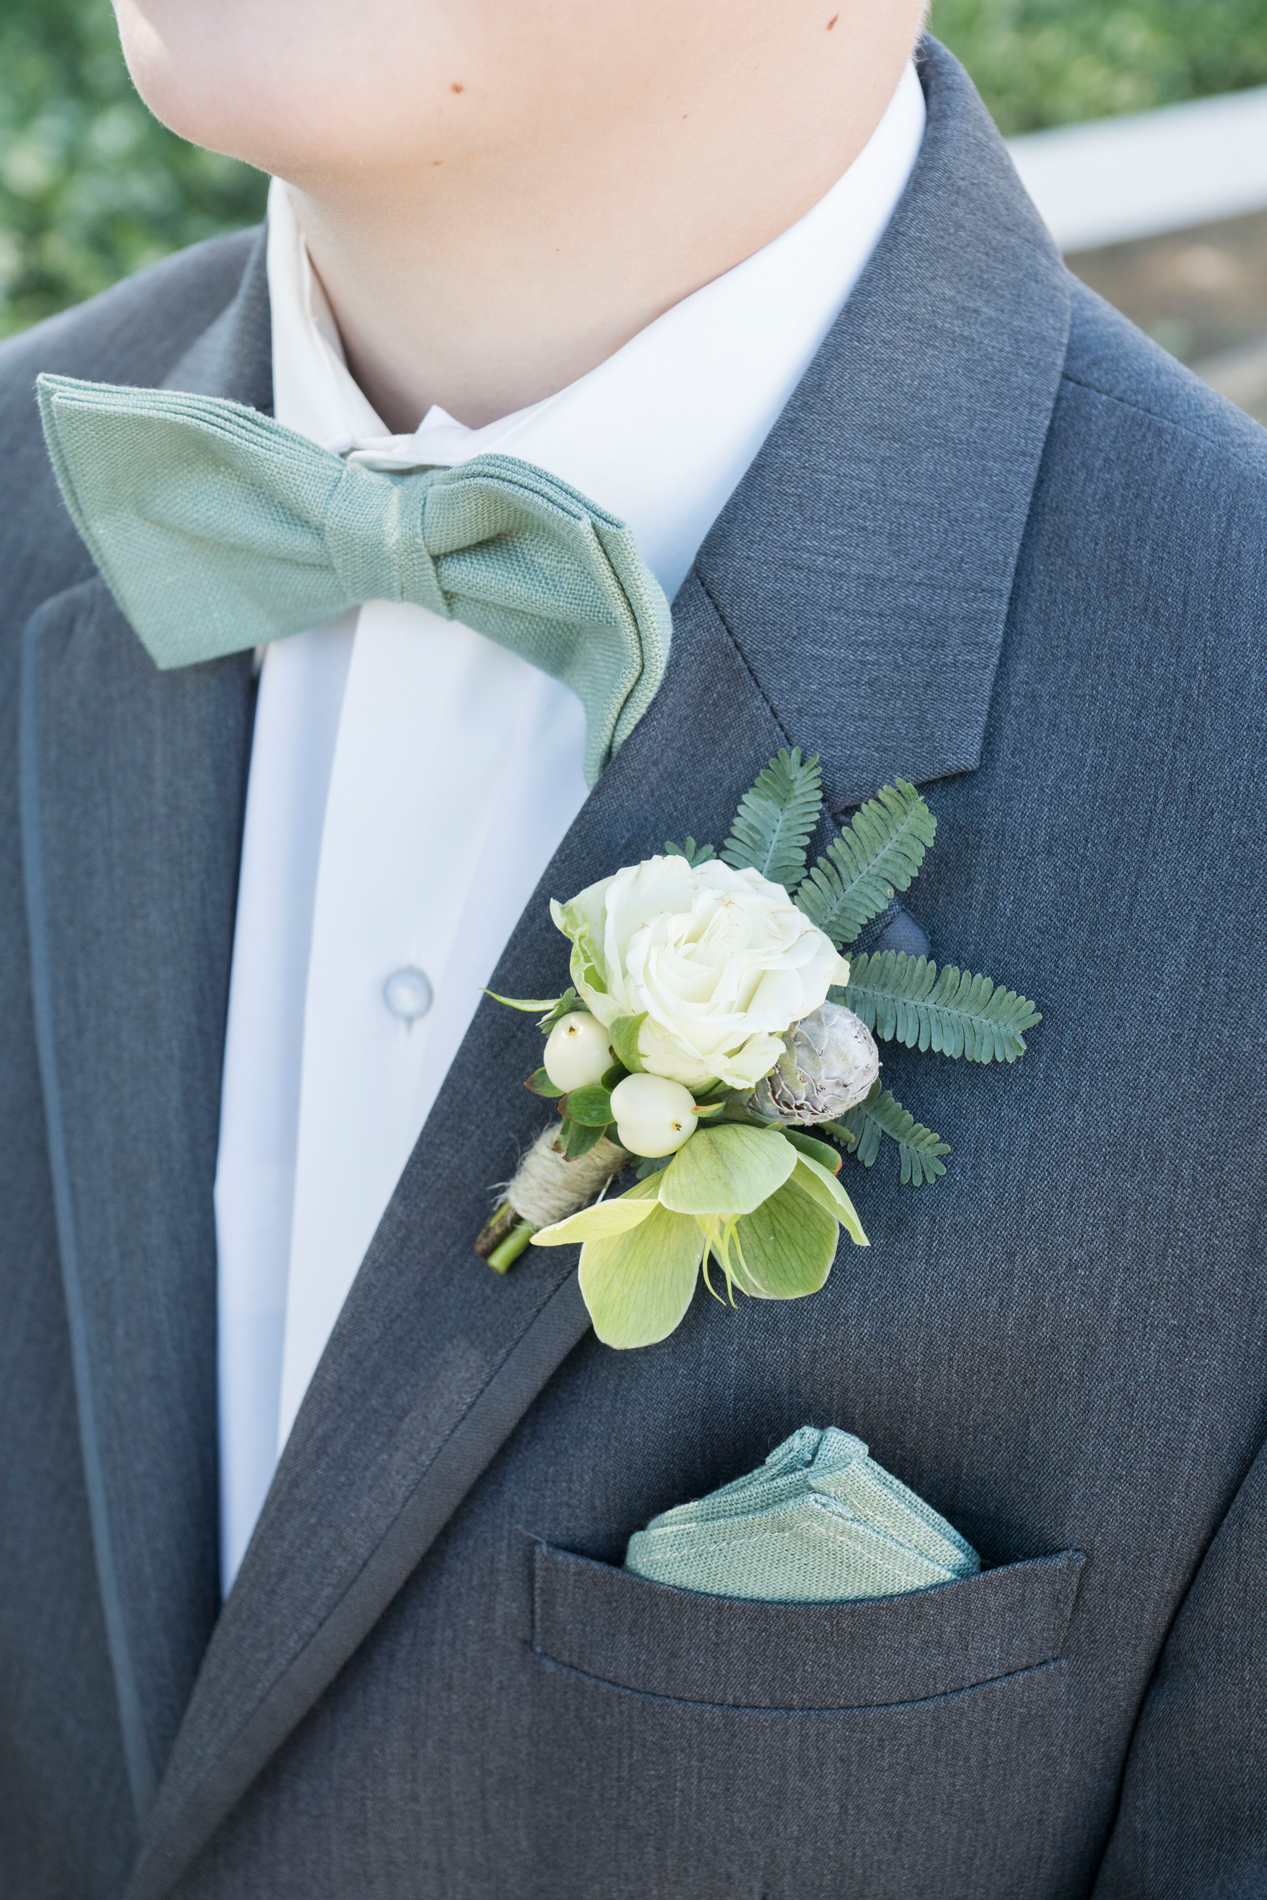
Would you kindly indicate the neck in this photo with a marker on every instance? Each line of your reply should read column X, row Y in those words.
column 490, row 279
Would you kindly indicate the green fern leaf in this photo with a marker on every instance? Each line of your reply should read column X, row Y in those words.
column 692, row 852
column 776, row 819
column 882, row 1114
column 906, row 999
column 879, row 851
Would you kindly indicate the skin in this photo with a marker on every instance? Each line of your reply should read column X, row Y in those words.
column 497, row 194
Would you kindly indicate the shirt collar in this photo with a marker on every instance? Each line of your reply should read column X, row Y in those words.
column 662, row 432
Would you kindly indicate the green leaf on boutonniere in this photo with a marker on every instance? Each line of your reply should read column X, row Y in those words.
column 610, row 1077
column 529, row 1005
column 591, row 1105
column 563, row 1007
column 726, row 1170
column 879, row 851
column 776, row 819
column 904, row 999
column 819, row 1151
column 692, row 852
column 576, row 1138
column 786, row 1246
column 540, row 1084
column 623, row 1036
column 882, row 1114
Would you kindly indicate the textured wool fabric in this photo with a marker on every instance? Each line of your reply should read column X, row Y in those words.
column 218, row 530
column 997, row 542
column 819, row 1522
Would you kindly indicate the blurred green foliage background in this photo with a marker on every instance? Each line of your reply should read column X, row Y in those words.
column 91, row 187
column 1055, row 62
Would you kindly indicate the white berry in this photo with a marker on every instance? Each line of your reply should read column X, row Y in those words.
column 577, row 1051
column 653, row 1115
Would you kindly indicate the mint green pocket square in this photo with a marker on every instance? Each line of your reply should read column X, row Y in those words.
column 819, row 1522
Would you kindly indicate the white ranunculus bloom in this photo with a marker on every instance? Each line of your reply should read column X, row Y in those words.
column 721, row 961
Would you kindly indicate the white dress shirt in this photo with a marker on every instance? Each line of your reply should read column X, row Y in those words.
column 410, row 779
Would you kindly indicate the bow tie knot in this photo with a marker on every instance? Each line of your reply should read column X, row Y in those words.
column 217, row 530
column 374, row 529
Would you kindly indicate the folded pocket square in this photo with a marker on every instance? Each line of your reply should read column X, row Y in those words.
column 819, row 1522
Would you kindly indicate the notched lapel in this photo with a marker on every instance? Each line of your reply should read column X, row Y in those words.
column 132, row 787
column 234, row 355
column 434, row 1358
column 876, row 535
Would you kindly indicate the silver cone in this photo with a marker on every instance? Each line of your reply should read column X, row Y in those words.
column 829, row 1064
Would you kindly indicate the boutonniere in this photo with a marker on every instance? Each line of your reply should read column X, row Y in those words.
column 716, row 1040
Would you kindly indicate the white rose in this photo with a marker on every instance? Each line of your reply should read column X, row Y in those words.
column 721, row 961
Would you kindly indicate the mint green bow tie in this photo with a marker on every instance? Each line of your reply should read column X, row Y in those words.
column 216, row 530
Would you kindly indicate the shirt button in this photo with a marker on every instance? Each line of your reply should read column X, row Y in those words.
column 407, row 993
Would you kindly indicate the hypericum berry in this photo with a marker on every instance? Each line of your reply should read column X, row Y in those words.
column 653, row 1115
column 577, row 1051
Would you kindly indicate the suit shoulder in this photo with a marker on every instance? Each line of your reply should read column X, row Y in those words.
column 1147, row 530
column 132, row 333
column 1109, row 359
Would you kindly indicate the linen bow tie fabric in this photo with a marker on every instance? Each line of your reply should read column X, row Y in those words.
column 818, row 1522
column 217, row 530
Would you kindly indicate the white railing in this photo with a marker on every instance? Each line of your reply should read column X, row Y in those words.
column 1148, row 172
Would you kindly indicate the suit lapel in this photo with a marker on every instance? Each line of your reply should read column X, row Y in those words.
column 132, row 788
column 851, row 599
column 864, row 567
column 132, row 797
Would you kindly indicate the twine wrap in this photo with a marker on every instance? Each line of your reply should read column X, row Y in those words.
column 546, row 1188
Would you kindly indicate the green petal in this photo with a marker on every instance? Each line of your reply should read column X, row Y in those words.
column 638, row 1285
column 726, row 1170
column 599, row 1222
column 788, row 1246
column 827, row 1191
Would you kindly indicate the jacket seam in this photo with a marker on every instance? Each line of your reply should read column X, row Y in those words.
column 1154, row 1673
column 1141, row 409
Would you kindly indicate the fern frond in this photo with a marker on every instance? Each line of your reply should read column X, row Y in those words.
column 906, row 999
column 776, row 819
column 692, row 852
column 879, row 851
column 881, row 1114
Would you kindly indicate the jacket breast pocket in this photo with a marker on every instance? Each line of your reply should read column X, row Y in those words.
column 691, row 1747
column 623, row 1630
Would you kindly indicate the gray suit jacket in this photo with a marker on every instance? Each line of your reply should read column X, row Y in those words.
column 997, row 543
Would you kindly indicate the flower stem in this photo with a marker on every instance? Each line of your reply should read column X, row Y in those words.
column 504, row 1256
